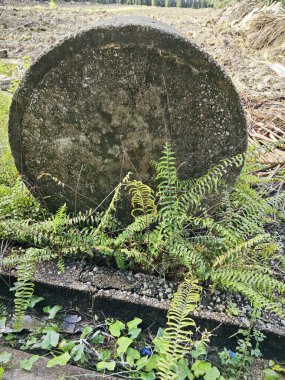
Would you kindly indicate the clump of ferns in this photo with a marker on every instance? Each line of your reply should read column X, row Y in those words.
column 229, row 247
column 174, row 231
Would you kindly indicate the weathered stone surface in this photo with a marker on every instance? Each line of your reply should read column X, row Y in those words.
column 106, row 100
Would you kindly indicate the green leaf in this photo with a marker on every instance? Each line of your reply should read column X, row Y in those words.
column 200, row 367
column 278, row 368
column 269, row 374
column 141, row 362
column 59, row 360
column 200, row 349
column 52, row 311
column 212, row 374
column 123, row 344
column 183, row 368
column 110, row 366
column 160, row 345
column 160, row 332
column 148, row 375
column 77, row 353
column 66, row 346
column 5, row 357
column 10, row 337
column 105, row 355
column 1, row 372
column 86, row 331
column 134, row 323
column 50, row 340
column 151, row 363
column 134, row 333
column 132, row 355
column 98, row 339
column 116, row 328
column 27, row 364
column 34, row 300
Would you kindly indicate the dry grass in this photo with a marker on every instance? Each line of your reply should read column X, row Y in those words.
column 267, row 30
column 238, row 11
column 266, row 119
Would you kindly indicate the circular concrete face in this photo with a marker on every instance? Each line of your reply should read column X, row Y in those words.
column 105, row 101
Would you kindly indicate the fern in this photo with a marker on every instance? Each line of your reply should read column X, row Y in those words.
column 24, row 287
column 177, row 337
column 143, row 200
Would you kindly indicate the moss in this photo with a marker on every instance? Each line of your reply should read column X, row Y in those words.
column 8, row 171
column 7, row 69
column 5, row 100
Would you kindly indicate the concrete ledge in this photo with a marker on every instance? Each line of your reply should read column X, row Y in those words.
column 115, row 299
column 41, row 372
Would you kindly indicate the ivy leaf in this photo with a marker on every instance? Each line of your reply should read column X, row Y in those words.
column 34, row 300
column 160, row 345
column 212, row 374
column 5, row 357
column 98, row 339
column 66, row 346
column 148, row 375
column 123, row 344
column 50, row 340
column 77, row 353
column 200, row 367
column 134, row 323
column 115, row 328
column 151, row 363
column 59, row 360
column 52, row 311
column 134, row 333
column 132, row 355
column 141, row 362
column 110, row 366
column 269, row 374
column 200, row 349
column 86, row 331
column 183, row 368
column 105, row 355
column 27, row 364
column 159, row 333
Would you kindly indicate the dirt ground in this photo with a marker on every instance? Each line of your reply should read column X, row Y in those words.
column 29, row 28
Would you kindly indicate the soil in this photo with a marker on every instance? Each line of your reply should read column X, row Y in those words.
column 28, row 28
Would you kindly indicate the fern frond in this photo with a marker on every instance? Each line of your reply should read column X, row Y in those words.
column 208, row 184
column 233, row 253
column 254, row 290
column 24, row 286
column 177, row 337
column 166, row 175
column 143, row 200
column 140, row 224
column 187, row 255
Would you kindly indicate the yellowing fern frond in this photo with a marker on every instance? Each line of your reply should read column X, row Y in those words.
column 143, row 200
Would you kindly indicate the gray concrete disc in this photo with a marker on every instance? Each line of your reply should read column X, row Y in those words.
column 105, row 101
